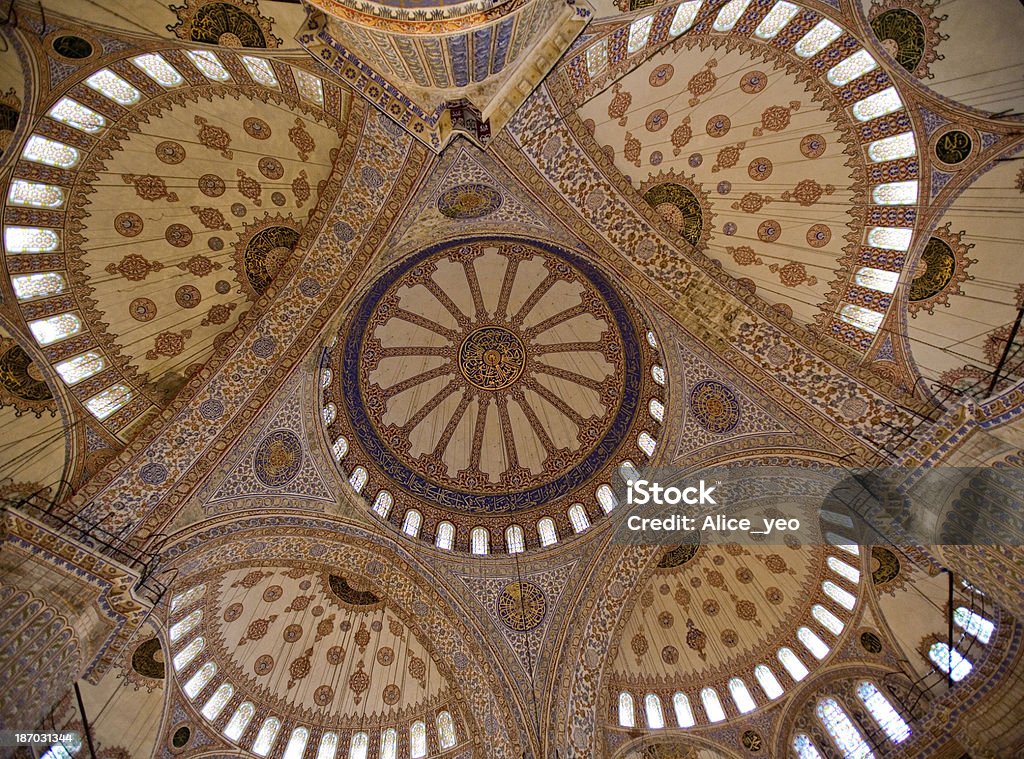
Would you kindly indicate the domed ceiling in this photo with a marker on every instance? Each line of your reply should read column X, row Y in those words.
column 489, row 377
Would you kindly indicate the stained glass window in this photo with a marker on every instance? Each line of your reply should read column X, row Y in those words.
column 658, row 374
column 260, row 70
column 65, row 749
column 188, row 653
column 339, row 448
column 712, row 705
column 840, row 567
column 328, row 746
column 741, row 696
column 30, row 240
column 41, row 285
column 805, row 748
column 359, row 747
column 159, row 70
column 730, row 14
column 883, row 712
column 974, row 624
column 686, row 14
column 310, row 86
column 792, row 664
column 445, row 536
column 812, row 642
column 328, row 413
column 76, row 115
column 827, row 619
column 389, row 744
column 209, row 64
column 854, row 67
column 846, row 736
column 627, row 714
column 895, row 193
column 652, row 340
column 861, row 318
column 479, row 542
column 106, row 82
column 184, row 600
column 358, row 479
column 325, row 377
column 446, row 730
column 628, row 471
column 199, row 680
column 655, row 715
column 892, row 148
column 817, row 39
column 546, row 532
column 217, row 702
column 297, row 743
column 877, row 105
column 36, row 194
column 941, row 654
column 183, row 627
column 578, row 517
column 382, row 503
column 597, row 57
column 418, row 739
column 836, row 518
column 780, row 15
column 411, row 523
column 607, row 498
column 515, row 541
column 266, row 736
column 684, row 713
column 54, row 328
column 837, row 594
column 768, row 682
column 239, row 721
column 842, row 543
column 647, row 443
column 639, row 31
column 657, row 409
column 877, row 279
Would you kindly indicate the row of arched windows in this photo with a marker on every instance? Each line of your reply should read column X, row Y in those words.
column 849, row 737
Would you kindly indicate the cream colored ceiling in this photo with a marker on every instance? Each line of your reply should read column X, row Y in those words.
column 741, row 135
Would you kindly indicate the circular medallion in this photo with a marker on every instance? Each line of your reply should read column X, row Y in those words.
column 211, row 185
column 885, row 565
column 813, row 146
column 180, row 737
column 492, row 358
column 148, row 659
column 271, row 168
column 719, row 126
column 278, row 458
column 818, row 236
column 871, row 642
column 72, row 46
column 521, row 606
column 178, row 235
column 128, row 224
column 661, row 75
column 937, row 266
column 760, row 169
column 142, row 309
column 753, row 82
column 469, row 201
column 657, row 120
column 256, row 128
column 752, row 741
column 769, row 231
column 715, row 407
column 170, row 152
column 953, row 146
column 902, row 34
column 187, row 296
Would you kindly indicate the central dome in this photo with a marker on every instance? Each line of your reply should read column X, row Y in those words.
column 490, row 376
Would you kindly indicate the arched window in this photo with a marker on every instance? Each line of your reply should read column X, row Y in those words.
column 260, row 70
column 239, row 721
column 55, row 328
column 109, row 84
column 843, row 544
column 209, row 64
column 546, row 532
column 340, row 448
column 827, row 619
column 627, row 715
column 186, row 599
column 328, row 746
column 389, row 744
column 159, row 70
column 805, row 748
column 658, row 374
column 578, row 517
column 952, row 662
column 712, row 705
column 382, row 504
column 652, row 340
column 50, row 152
column 845, row 734
column 446, row 730
column 329, row 412
column 266, row 736
column 81, row 367
column 812, row 643
column 358, row 479
column 310, row 87
column 657, row 409
column 628, row 471
column 861, row 318
column 607, row 498
column 684, row 714
column 30, row 240
column 741, row 696
column 412, row 522
column 77, row 116
column 792, row 664
column 853, row 67
column 184, row 627
column 188, row 653
column 895, row 193
column 325, row 377
column 777, row 19
column 639, row 31
column 768, row 682
column 418, row 739
column 883, row 712
column 217, row 702
column 892, row 148
column 479, row 541
column 199, row 680
column 843, row 569
column 515, row 541
column 974, row 624
column 647, row 443
column 730, row 14
column 25, row 193
column 686, row 14
column 359, row 747
column 597, row 57
column 445, row 537
column 876, row 279
column 890, row 238
column 296, row 743
column 875, row 106
column 38, row 285
column 837, row 594
column 652, row 708
column 110, row 400
column 823, row 34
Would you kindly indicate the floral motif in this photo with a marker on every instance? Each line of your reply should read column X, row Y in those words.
column 301, row 139
column 752, row 202
column 793, row 274
column 808, row 192
column 632, row 149
column 211, row 218
column 214, row 137
column 150, row 187
column 728, row 156
column 168, row 344
column 134, row 267
column 702, row 83
column 257, row 630
column 681, row 135
column 199, row 265
column 218, row 314
column 619, row 104
column 300, row 188
column 776, row 118
column 249, row 187
column 744, row 256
